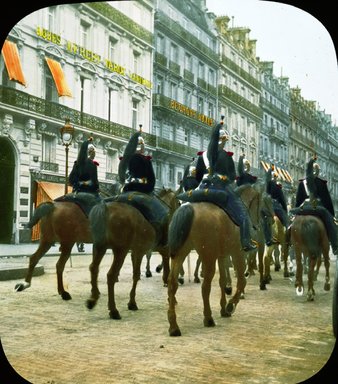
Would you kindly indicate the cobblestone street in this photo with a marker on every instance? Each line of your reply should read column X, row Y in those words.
column 274, row 336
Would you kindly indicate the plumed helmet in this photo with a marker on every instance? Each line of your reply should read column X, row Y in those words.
column 274, row 175
column 316, row 169
column 223, row 137
column 247, row 165
column 140, row 142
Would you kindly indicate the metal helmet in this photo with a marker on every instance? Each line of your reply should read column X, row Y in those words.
column 247, row 165
column 140, row 144
column 316, row 169
column 274, row 175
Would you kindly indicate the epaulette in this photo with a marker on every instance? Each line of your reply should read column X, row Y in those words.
column 200, row 153
column 229, row 153
column 148, row 157
column 96, row 163
column 255, row 177
column 120, row 158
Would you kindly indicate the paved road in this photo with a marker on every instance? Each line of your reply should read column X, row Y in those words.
column 274, row 337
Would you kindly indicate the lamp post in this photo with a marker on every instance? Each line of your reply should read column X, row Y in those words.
column 67, row 132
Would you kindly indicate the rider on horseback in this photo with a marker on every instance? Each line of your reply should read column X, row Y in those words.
column 83, row 176
column 215, row 170
column 314, row 190
column 136, row 171
column 274, row 189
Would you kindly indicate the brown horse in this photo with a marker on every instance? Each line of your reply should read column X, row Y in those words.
column 309, row 238
column 123, row 228
column 205, row 227
column 279, row 235
column 63, row 222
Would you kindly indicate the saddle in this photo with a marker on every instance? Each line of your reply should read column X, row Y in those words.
column 84, row 200
column 218, row 197
column 154, row 210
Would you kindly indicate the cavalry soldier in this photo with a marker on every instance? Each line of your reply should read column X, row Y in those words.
column 314, row 189
column 244, row 175
column 275, row 190
column 83, row 176
column 189, row 180
column 136, row 171
column 216, row 170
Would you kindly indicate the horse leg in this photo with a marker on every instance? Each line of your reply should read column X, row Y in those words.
column 98, row 253
column 209, row 272
column 175, row 267
column 33, row 260
column 239, row 265
column 148, row 271
column 222, row 284
column 181, row 276
column 227, row 275
column 277, row 258
column 327, row 285
column 196, row 278
column 311, row 292
column 136, row 261
column 285, row 255
column 262, row 284
column 266, row 263
column 60, row 266
column 299, row 272
column 112, row 278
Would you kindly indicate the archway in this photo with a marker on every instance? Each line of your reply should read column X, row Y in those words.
column 7, row 169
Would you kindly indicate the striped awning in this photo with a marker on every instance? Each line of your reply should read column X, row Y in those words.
column 12, row 61
column 283, row 174
column 46, row 191
column 59, row 78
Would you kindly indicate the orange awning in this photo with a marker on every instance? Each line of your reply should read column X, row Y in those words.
column 265, row 166
column 59, row 78
column 12, row 61
column 46, row 192
column 281, row 174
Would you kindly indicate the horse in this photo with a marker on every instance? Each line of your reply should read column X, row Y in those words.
column 279, row 236
column 124, row 228
column 63, row 222
column 309, row 238
column 206, row 228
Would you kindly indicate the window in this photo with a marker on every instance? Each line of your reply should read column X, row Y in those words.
column 211, row 77
column 135, row 114
column 112, row 54
column 171, row 173
column 187, row 98
column 188, row 62
column 51, row 93
column 200, row 105
column 85, row 94
column 159, row 84
column 173, row 52
column 136, row 57
column 84, row 34
column 201, row 70
column 51, row 19
column 173, row 90
column 48, row 149
column 211, row 110
column 160, row 44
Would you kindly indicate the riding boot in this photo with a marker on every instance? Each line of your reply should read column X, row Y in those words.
column 267, row 231
column 244, row 229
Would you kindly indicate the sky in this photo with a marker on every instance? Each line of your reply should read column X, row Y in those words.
column 298, row 43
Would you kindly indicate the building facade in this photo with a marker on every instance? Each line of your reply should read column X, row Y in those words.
column 169, row 65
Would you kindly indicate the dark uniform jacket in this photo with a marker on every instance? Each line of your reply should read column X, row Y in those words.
column 189, row 180
column 84, row 178
column 275, row 191
column 317, row 186
column 140, row 175
column 244, row 177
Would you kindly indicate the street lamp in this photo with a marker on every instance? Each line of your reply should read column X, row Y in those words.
column 67, row 132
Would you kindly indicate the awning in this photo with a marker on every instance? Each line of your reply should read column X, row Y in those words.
column 283, row 174
column 12, row 61
column 59, row 78
column 46, row 191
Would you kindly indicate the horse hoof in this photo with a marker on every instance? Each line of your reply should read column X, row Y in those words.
column 299, row 291
column 327, row 286
column 90, row 303
column 158, row 268
column 149, row 274
column 19, row 287
column 197, row 280
column 175, row 332
column 262, row 286
column 230, row 309
column 209, row 322
column 66, row 296
column 181, row 280
column 114, row 315
column 242, row 296
column 228, row 290
column 132, row 306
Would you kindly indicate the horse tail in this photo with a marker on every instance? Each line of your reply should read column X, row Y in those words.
column 310, row 235
column 42, row 210
column 97, row 219
column 179, row 227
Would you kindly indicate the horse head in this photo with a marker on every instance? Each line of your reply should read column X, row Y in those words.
column 252, row 196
